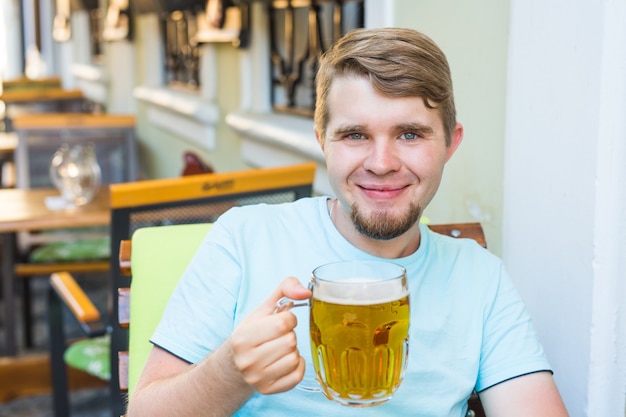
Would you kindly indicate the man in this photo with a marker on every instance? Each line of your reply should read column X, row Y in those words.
column 385, row 119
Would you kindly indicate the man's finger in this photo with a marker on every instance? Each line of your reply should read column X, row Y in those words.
column 291, row 288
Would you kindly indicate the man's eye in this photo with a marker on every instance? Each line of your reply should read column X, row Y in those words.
column 409, row 136
column 356, row 136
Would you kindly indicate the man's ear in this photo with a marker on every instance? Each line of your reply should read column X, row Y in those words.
column 319, row 138
column 455, row 140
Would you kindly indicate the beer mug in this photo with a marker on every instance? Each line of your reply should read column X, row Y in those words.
column 359, row 330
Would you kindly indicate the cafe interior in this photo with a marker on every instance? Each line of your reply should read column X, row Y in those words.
column 173, row 111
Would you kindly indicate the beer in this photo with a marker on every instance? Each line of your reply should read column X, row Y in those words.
column 359, row 343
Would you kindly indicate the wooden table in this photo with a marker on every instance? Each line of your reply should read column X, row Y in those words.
column 60, row 99
column 40, row 95
column 23, row 210
column 25, row 83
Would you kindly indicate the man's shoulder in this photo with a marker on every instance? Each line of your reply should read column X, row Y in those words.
column 461, row 249
column 302, row 211
column 262, row 208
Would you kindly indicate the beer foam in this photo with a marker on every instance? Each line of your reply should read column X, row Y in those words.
column 360, row 291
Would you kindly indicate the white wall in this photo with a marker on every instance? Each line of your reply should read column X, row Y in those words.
column 474, row 36
column 120, row 70
column 10, row 59
column 564, row 214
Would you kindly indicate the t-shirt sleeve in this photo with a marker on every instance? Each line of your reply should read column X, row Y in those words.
column 510, row 346
column 199, row 315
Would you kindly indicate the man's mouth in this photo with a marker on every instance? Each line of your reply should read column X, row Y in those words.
column 382, row 191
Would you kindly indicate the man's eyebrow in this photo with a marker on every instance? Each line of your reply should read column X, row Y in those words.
column 416, row 127
column 423, row 129
column 343, row 129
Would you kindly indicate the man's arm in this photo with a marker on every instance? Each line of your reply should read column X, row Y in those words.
column 260, row 355
column 528, row 395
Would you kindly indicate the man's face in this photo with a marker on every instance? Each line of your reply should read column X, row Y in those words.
column 384, row 155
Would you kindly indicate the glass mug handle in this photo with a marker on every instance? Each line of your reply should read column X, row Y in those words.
column 285, row 304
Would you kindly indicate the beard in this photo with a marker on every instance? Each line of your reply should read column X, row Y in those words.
column 382, row 226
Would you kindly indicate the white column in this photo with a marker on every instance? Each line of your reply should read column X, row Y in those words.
column 10, row 54
column 564, row 228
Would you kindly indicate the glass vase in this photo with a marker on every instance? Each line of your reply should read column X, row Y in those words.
column 75, row 171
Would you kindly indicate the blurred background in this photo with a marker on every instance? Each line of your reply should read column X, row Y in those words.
column 539, row 87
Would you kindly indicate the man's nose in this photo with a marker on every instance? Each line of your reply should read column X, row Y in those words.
column 383, row 157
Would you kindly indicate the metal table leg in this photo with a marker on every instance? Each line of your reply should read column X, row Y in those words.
column 8, row 296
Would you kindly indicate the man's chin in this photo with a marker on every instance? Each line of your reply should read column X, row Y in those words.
column 383, row 225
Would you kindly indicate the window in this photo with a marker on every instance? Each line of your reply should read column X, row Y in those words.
column 300, row 31
column 96, row 18
column 182, row 59
column 62, row 31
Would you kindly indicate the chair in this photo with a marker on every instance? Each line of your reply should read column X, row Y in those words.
column 38, row 137
column 155, row 269
column 186, row 200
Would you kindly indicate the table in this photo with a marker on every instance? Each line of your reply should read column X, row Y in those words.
column 25, row 83
column 40, row 95
column 25, row 209
column 52, row 99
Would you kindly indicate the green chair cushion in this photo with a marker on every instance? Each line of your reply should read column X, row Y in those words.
column 91, row 356
column 81, row 250
column 159, row 257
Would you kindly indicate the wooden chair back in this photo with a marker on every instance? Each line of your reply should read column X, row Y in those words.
column 462, row 230
column 40, row 135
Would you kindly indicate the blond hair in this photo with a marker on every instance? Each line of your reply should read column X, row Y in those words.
column 398, row 62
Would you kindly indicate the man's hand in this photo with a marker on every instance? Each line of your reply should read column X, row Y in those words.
column 264, row 345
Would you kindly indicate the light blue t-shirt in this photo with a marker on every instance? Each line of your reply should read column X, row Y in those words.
column 469, row 328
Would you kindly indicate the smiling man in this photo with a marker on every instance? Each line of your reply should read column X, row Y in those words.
column 386, row 121
column 385, row 166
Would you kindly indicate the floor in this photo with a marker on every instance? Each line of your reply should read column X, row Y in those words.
column 87, row 403
column 84, row 403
